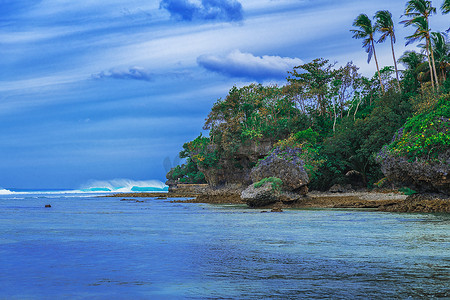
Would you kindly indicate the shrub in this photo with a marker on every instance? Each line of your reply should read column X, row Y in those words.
column 425, row 135
column 276, row 183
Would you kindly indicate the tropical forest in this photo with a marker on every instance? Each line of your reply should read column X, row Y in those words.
column 345, row 128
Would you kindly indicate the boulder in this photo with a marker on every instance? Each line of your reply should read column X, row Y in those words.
column 260, row 196
column 421, row 174
column 284, row 164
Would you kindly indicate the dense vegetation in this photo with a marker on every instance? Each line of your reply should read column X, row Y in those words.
column 340, row 118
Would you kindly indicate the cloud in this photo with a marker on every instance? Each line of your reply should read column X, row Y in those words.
column 135, row 73
column 187, row 10
column 238, row 64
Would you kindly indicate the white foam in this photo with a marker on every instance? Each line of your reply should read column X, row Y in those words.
column 120, row 185
column 5, row 192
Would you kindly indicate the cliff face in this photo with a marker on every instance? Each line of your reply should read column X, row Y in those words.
column 421, row 174
column 236, row 169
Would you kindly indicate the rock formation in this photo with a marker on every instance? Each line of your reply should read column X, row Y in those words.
column 286, row 165
column 236, row 169
column 422, row 175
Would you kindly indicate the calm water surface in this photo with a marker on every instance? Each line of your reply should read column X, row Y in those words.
column 104, row 248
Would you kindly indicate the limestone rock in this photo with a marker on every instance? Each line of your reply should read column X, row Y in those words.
column 260, row 196
column 421, row 175
column 283, row 164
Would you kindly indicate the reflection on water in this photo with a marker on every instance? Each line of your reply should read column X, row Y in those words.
column 90, row 247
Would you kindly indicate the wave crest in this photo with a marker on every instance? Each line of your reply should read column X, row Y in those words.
column 5, row 192
column 123, row 186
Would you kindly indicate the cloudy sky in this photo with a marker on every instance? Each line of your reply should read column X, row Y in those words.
column 98, row 90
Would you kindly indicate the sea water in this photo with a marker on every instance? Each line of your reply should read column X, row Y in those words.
column 92, row 247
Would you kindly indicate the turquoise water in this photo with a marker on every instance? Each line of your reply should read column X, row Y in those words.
column 104, row 248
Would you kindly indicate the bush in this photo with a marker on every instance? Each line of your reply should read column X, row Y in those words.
column 425, row 135
column 276, row 183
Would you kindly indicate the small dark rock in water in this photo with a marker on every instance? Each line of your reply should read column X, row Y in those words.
column 127, row 200
column 264, row 211
column 161, row 198
column 139, row 201
column 48, row 205
column 276, row 209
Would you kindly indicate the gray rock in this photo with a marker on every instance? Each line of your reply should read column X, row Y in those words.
column 341, row 188
column 283, row 164
column 261, row 196
column 421, row 175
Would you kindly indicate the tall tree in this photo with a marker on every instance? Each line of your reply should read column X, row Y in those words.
column 419, row 12
column 445, row 7
column 423, row 32
column 412, row 61
column 366, row 32
column 441, row 50
column 385, row 26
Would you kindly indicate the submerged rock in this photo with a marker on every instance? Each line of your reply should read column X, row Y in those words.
column 429, row 203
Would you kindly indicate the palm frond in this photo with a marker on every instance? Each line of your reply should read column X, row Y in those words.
column 445, row 7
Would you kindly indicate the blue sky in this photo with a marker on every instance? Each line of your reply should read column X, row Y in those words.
column 98, row 90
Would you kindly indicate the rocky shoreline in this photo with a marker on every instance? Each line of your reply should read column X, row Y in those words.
column 390, row 201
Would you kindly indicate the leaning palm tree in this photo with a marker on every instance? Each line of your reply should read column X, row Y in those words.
column 423, row 9
column 445, row 7
column 422, row 32
column 385, row 26
column 441, row 50
column 366, row 32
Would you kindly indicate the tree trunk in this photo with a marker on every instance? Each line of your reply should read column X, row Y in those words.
column 429, row 64
column 395, row 62
column 378, row 69
column 434, row 64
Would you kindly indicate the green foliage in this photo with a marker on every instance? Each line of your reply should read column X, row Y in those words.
column 200, row 152
column 407, row 191
column 356, row 141
column 186, row 173
column 252, row 112
column 276, row 183
column 307, row 135
column 425, row 135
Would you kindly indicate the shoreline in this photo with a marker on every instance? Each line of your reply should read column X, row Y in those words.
column 379, row 201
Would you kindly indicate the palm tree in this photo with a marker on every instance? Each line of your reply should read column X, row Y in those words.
column 412, row 61
column 422, row 32
column 366, row 32
column 441, row 50
column 445, row 7
column 385, row 26
column 419, row 12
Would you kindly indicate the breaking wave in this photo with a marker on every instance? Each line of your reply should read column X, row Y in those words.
column 98, row 186
column 124, row 186
column 5, row 192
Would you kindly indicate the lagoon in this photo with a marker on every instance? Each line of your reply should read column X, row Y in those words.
column 86, row 246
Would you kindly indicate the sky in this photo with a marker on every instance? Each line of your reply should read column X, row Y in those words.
column 101, row 90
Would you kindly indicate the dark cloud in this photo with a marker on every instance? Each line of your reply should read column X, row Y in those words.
column 134, row 73
column 246, row 65
column 223, row 10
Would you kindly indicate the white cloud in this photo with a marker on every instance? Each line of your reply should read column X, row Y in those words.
column 247, row 65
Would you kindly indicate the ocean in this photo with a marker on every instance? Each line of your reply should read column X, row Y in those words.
column 90, row 247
